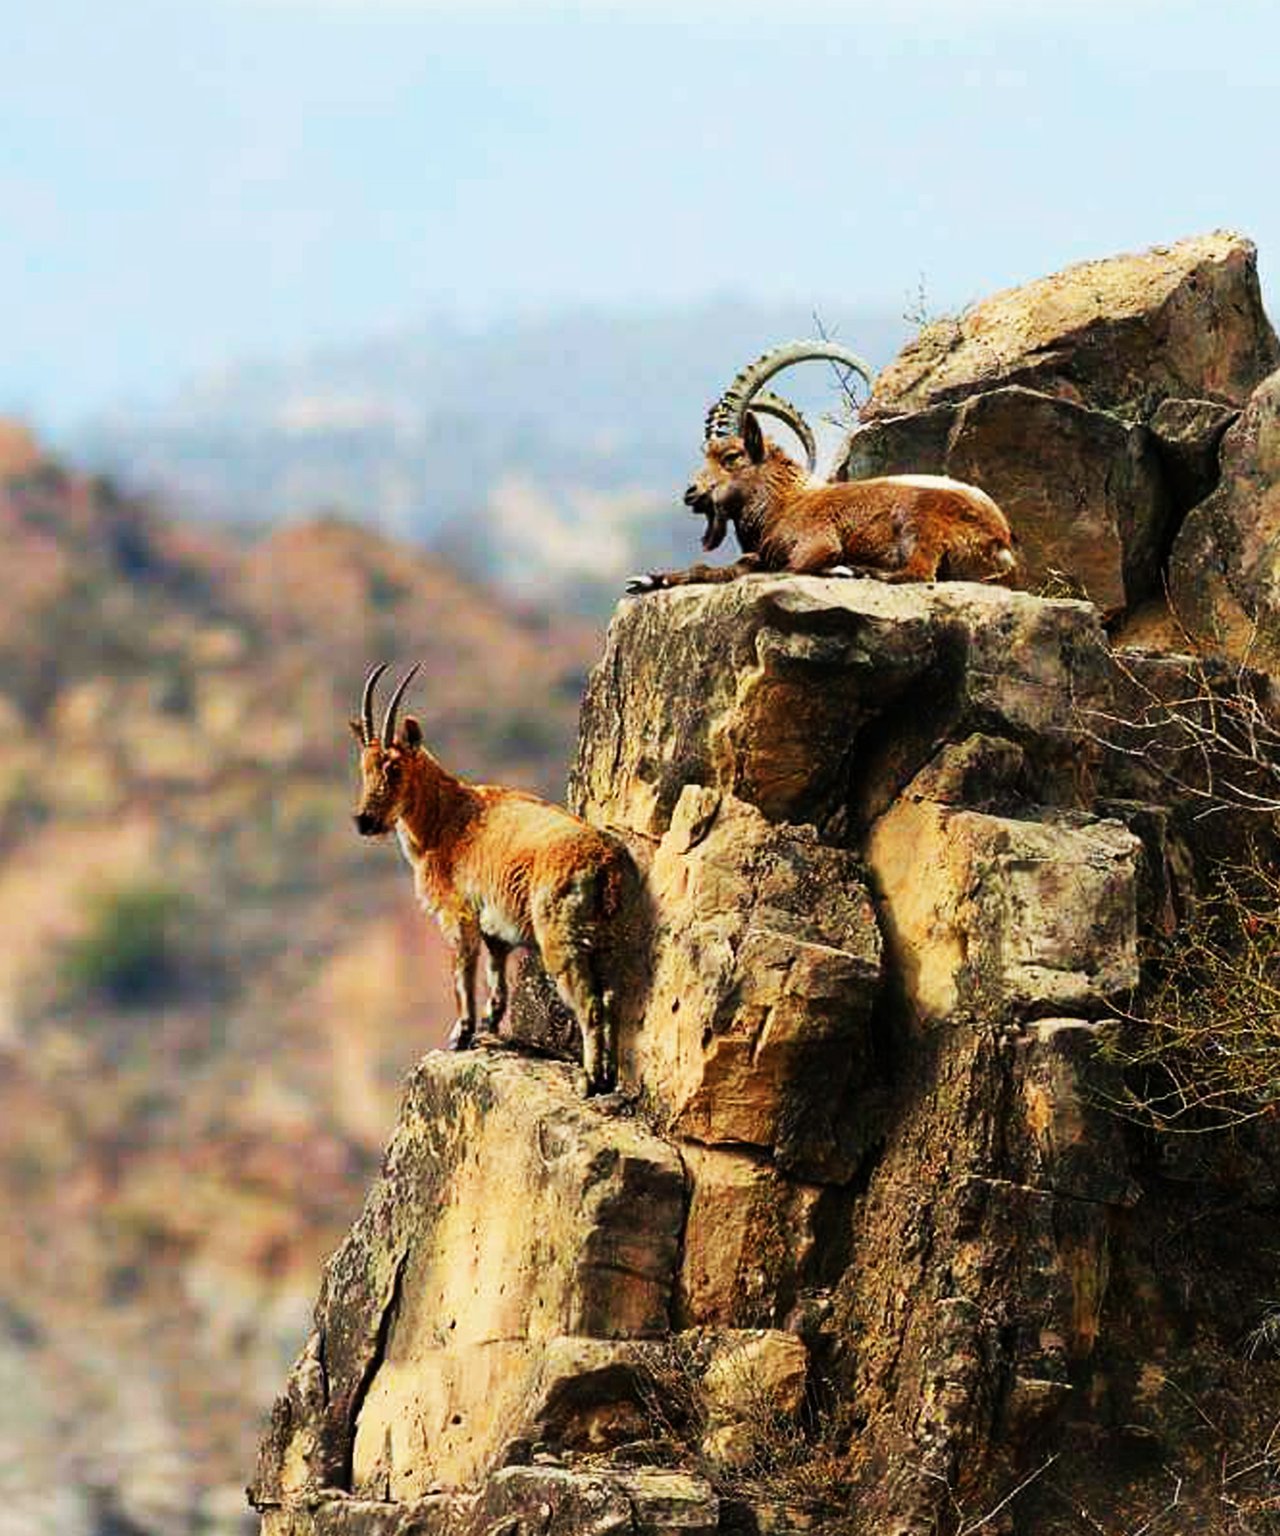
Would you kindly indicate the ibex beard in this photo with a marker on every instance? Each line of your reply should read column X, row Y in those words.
column 500, row 869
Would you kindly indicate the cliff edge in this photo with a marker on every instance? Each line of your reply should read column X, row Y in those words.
column 863, row 1244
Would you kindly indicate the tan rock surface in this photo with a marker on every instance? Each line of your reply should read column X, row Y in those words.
column 753, row 1369
column 1119, row 335
column 999, row 915
column 766, row 965
column 508, row 1214
column 749, row 1239
column 1224, row 575
column 812, row 698
column 517, row 1501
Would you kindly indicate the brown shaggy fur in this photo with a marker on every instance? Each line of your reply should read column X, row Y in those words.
column 897, row 527
column 500, row 868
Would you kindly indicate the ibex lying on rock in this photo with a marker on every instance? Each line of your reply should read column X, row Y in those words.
column 504, row 869
column 895, row 527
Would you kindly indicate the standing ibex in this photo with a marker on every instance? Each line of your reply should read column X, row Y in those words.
column 896, row 527
column 504, row 869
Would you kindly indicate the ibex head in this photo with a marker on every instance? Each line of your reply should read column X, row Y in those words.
column 735, row 444
column 384, row 761
column 728, row 477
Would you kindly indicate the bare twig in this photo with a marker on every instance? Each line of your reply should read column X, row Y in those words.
column 976, row 1525
column 1215, row 739
column 843, row 376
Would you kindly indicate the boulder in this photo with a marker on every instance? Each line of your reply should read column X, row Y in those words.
column 1001, row 917
column 1224, row 575
column 508, row 1214
column 753, row 1370
column 1118, row 335
column 816, row 700
column 766, row 968
column 1083, row 490
column 1188, row 435
column 753, row 1392
column 750, row 1239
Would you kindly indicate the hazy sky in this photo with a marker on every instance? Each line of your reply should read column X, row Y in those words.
column 185, row 183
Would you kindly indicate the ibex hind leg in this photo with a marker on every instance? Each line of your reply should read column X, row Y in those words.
column 577, row 986
column 566, row 933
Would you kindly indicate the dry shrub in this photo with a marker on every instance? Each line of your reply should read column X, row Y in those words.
column 1203, row 1045
column 775, row 1454
column 1207, row 730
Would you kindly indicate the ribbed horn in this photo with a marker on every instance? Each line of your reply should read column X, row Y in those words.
column 389, row 719
column 725, row 417
column 366, row 705
column 769, row 404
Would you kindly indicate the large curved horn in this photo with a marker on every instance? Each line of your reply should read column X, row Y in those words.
column 389, row 719
column 724, row 419
column 769, row 404
column 366, row 704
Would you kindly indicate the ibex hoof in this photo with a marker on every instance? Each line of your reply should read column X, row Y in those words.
column 461, row 1036
column 648, row 583
column 585, row 1088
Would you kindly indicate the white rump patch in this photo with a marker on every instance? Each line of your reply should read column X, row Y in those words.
column 932, row 482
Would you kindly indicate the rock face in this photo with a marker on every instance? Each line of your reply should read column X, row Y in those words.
column 1002, row 915
column 1120, row 335
column 866, row 1256
column 507, row 1217
column 1225, row 572
column 766, row 969
column 817, row 701
column 1090, row 405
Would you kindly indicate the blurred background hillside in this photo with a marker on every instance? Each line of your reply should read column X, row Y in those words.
column 346, row 330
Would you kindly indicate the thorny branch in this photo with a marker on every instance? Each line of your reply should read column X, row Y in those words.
column 1215, row 739
column 1204, row 1036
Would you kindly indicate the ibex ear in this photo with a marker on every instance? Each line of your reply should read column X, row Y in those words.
column 753, row 439
column 412, row 732
column 357, row 730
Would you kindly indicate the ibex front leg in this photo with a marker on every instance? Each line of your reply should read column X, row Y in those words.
column 465, row 939
column 495, row 977
column 660, row 581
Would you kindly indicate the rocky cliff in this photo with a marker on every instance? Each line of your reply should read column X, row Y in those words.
column 861, row 1245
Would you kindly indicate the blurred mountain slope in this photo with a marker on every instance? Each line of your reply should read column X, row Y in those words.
column 548, row 455
column 210, row 987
